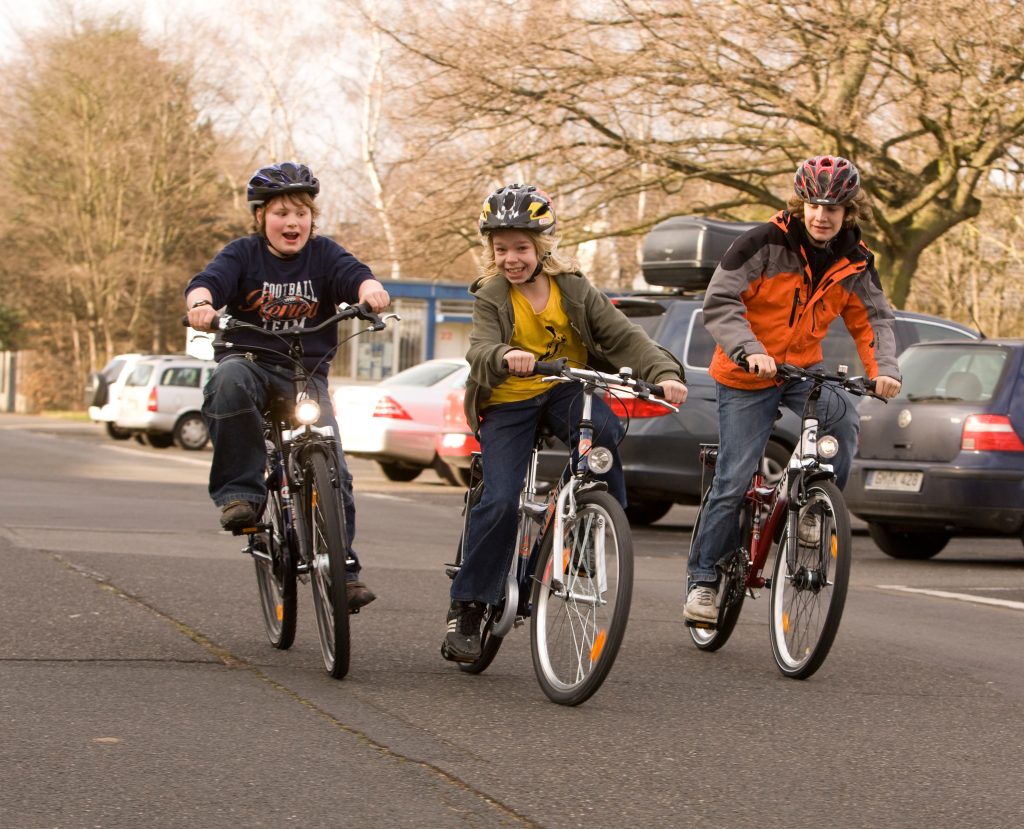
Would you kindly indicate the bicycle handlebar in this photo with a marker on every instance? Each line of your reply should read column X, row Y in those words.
column 641, row 388
column 861, row 386
column 363, row 311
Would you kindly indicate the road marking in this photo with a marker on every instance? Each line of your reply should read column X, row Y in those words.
column 383, row 496
column 960, row 597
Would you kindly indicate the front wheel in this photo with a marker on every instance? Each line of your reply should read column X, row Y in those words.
column 582, row 592
column 811, row 576
column 276, row 578
column 323, row 528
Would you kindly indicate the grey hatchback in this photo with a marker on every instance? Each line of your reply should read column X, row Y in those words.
column 946, row 456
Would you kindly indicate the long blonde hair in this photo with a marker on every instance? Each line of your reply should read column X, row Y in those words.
column 546, row 245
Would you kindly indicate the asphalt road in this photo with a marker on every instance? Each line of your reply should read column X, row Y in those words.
column 137, row 688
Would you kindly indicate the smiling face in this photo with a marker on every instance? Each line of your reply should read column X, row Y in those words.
column 823, row 222
column 287, row 223
column 514, row 254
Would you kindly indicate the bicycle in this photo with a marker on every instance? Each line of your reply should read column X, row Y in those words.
column 809, row 581
column 300, row 533
column 572, row 570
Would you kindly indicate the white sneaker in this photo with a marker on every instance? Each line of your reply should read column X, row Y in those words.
column 700, row 604
column 809, row 531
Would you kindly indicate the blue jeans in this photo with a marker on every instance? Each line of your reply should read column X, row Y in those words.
column 237, row 394
column 507, row 432
column 745, row 421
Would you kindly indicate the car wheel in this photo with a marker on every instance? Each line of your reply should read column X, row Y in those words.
column 160, row 440
column 907, row 544
column 775, row 461
column 190, row 432
column 646, row 512
column 399, row 472
column 446, row 473
column 117, row 433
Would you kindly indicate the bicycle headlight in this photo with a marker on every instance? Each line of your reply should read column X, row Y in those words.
column 600, row 460
column 307, row 411
column 828, row 446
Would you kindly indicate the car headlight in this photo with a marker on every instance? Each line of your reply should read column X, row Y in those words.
column 828, row 446
column 600, row 460
column 307, row 411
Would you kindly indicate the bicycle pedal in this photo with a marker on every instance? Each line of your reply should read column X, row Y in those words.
column 693, row 623
column 451, row 571
column 255, row 528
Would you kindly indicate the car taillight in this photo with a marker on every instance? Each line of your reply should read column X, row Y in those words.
column 454, row 417
column 151, row 404
column 386, row 407
column 990, row 433
column 632, row 407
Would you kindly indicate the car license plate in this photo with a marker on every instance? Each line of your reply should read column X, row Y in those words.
column 894, row 480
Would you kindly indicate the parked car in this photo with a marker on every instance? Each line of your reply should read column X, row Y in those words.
column 104, row 393
column 394, row 422
column 162, row 399
column 946, row 456
column 660, row 451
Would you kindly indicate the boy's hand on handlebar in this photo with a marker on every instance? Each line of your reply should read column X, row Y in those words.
column 202, row 318
column 375, row 295
column 519, row 362
column 675, row 391
column 887, row 386
column 762, row 365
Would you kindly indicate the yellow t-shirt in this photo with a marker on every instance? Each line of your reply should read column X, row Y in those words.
column 547, row 335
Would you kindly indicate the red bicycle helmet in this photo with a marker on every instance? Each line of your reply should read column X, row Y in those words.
column 826, row 179
column 518, row 207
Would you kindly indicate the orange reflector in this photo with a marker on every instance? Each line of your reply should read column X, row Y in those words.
column 785, row 623
column 835, row 545
column 279, row 612
column 565, row 559
column 599, row 640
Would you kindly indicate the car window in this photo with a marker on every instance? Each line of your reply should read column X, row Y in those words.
column 181, row 376
column 112, row 369
column 952, row 372
column 838, row 349
column 140, row 375
column 424, row 374
column 700, row 345
column 910, row 331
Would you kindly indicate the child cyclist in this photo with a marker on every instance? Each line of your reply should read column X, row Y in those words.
column 532, row 303
column 280, row 277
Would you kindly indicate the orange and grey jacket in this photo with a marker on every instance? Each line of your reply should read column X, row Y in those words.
column 760, row 301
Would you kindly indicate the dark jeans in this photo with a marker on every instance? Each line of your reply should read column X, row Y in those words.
column 745, row 421
column 507, row 433
column 237, row 394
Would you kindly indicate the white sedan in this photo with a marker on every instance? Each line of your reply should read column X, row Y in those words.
column 395, row 421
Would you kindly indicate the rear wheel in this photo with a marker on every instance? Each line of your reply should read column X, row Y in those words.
column 160, row 440
column 276, row 578
column 324, row 532
column 582, row 592
column 399, row 472
column 116, row 432
column 808, row 593
column 732, row 589
column 908, row 544
column 643, row 512
column 190, row 432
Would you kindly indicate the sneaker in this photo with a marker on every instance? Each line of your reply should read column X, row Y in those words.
column 237, row 515
column 462, row 641
column 701, row 604
column 359, row 595
column 809, row 531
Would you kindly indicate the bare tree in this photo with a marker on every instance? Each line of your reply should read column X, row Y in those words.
column 709, row 106
column 117, row 191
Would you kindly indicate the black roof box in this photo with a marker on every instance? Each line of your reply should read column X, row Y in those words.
column 683, row 252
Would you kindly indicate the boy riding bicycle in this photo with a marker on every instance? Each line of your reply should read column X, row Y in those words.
column 281, row 276
column 532, row 303
column 772, row 299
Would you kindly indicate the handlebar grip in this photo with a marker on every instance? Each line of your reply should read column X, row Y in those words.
column 216, row 324
column 553, row 369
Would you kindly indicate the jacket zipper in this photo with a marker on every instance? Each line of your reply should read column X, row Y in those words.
column 796, row 302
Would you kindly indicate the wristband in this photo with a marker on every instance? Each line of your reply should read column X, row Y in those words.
column 198, row 303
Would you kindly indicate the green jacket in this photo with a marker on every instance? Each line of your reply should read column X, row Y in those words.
column 611, row 340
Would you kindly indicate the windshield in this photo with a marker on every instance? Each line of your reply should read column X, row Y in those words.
column 424, row 374
column 951, row 372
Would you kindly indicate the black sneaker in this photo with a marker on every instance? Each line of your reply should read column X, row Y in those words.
column 238, row 515
column 462, row 641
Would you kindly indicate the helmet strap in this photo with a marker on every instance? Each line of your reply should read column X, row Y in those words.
column 537, row 270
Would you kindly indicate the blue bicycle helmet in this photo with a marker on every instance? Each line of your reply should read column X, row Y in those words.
column 278, row 179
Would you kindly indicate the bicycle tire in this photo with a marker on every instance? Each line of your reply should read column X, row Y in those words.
column 577, row 628
column 732, row 589
column 324, row 535
column 489, row 645
column 804, row 615
column 275, row 579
